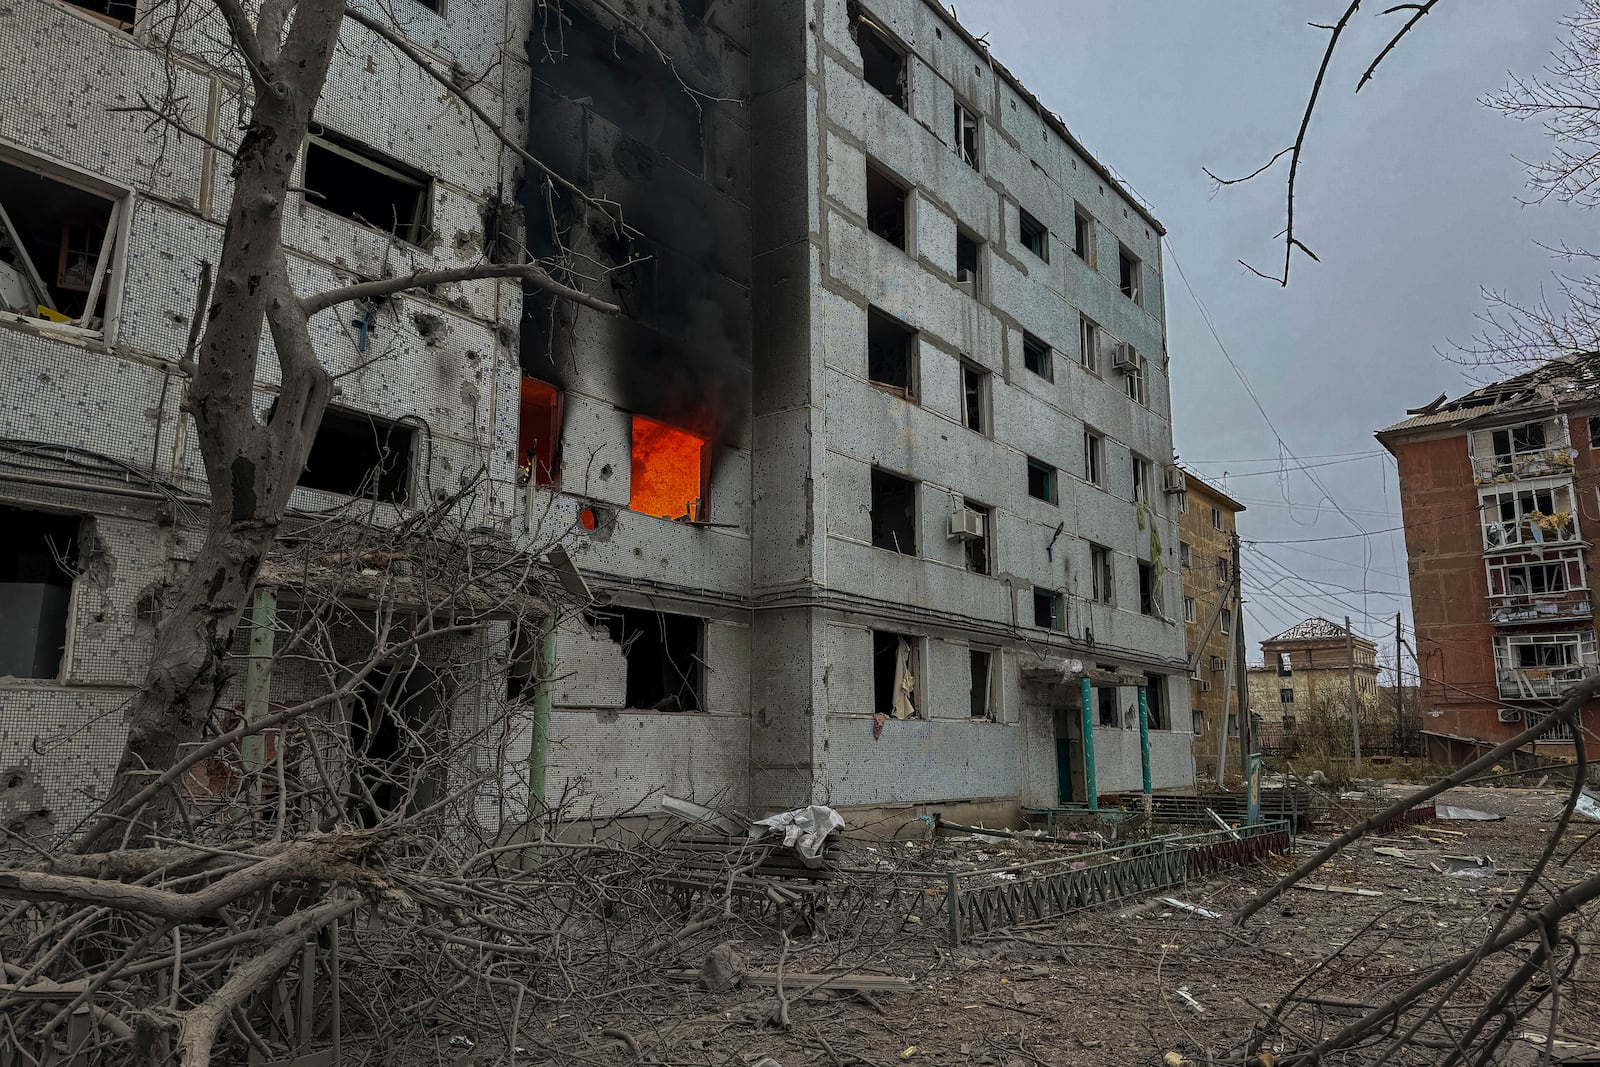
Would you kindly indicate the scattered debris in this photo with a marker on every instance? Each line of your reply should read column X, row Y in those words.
column 722, row 969
column 1193, row 1004
column 803, row 829
column 1319, row 887
column 700, row 815
column 1204, row 913
column 1222, row 825
column 1459, row 814
column 1466, row 866
column 1391, row 851
column 1588, row 805
column 800, row 982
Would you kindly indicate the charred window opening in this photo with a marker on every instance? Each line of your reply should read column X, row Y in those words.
column 890, row 348
column 118, row 13
column 966, row 135
column 538, row 433
column 976, row 549
column 671, row 472
column 968, row 274
column 894, row 512
column 1047, row 613
column 57, row 245
column 883, row 62
column 610, row 75
column 982, row 684
column 1035, row 236
column 359, row 455
column 896, row 668
column 1036, row 357
column 887, row 201
column 350, row 179
column 38, row 563
column 1041, row 481
column 1106, row 703
column 975, row 398
column 1155, row 700
column 1149, row 589
column 664, row 653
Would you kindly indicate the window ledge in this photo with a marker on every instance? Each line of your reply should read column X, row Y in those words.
column 60, row 331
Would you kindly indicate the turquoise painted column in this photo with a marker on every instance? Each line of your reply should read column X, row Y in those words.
column 1144, row 746
column 1091, row 786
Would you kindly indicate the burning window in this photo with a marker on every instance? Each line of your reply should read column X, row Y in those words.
column 1036, row 356
column 886, row 206
column 538, row 433
column 671, row 469
column 967, row 271
column 1047, row 614
column 883, row 63
column 58, row 241
column 1035, row 236
column 38, row 562
column 350, row 179
column 359, row 455
column 894, row 512
column 895, row 667
column 891, row 346
column 664, row 653
column 982, row 684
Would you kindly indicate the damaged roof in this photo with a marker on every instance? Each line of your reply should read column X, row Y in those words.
column 1315, row 628
column 1570, row 380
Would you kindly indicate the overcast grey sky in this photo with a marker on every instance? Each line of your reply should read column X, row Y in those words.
column 1409, row 194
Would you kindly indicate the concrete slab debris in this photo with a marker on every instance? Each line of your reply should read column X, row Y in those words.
column 1460, row 814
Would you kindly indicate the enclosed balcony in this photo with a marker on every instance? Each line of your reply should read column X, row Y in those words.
column 1536, row 666
column 1527, row 587
column 1530, row 515
column 1528, row 450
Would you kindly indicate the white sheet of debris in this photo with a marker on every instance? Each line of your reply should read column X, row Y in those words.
column 803, row 829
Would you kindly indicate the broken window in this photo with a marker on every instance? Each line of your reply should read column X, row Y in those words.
column 664, row 655
column 1286, row 696
column 118, row 13
column 1188, row 609
column 895, row 669
column 883, row 62
column 1035, row 237
column 1542, row 513
column 1149, row 589
column 1036, row 356
column 1105, row 697
column 1521, row 578
column 967, row 271
column 1227, row 621
column 1184, row 553
column 538, row 432
column 887, row 200
column 1103, row 583
column 1089, row 344
column 890, row 351
column 1517, row 441
column 58, row 244
column 894, row 512
column 974, row 398
column 1083, row 236
column 975, row 549
column 1093, row 456
column 1041, row 480
column 1143, row 475
column 1155, row 701
column 350, row 179
column 966, row 135
column 671, row 472
column 982, row 684
column 1047, row 613
column 1136, row 377
column 1285, row 665
column 355, row 454
column 1128, row 274
column 38, row 562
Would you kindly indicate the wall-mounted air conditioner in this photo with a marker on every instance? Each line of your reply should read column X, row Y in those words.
column 1123, row 359
column 1173, row 480
column 966, row 523
column 1510, row 715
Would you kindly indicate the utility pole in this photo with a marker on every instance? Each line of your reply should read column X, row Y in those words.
column 1246, row 728
column 1355, row 714
column 1399, row 692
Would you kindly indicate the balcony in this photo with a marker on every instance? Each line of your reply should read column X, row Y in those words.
column 1514, row 453
column 1543, row 665
column 1528, row 587
column 1536, row 514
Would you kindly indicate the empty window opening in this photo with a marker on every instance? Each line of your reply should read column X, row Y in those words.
column 1094, row 458
column 1149, row 589
column 883, row 62
column 968, row 275
column 1103, row 582
column 38, row 562
column 350, row 179
column 1188, row 609
column 886, row 206
column 1035, row 237
column 894, row 512
column 538, row 432
column 359, row 455
column 975, row 398
column 966, row 135
column 982, row 684
column 1041, row 480
column 1155, row 701
column 1518, row 441
column 398, row 730
column 890, row 351
column 1128, row 274
column 1143, row 475
column 118, row 13
column 1594, row 431
column 671, row 472
column 895, row 670
column 1036, row 356
column 58, row 243
column 976, row 536
column 1089, row 344
column 1083, row 236
column 1105, row 698
column 664, row 654
column 1286, row 696
column 1047, row 613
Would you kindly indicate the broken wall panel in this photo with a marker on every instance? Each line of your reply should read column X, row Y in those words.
column 607, row 764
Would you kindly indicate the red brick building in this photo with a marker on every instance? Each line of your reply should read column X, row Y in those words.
column 1499, row 496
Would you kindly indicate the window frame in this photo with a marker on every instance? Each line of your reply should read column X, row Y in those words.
column 962, row 111
column 1089, row 344
column 1225, row 621
column 1028, row 224
column 1094, row 456
column 1033, row 344
column 1056, row 607
column 986, row 542
column 1052, row 481
column 1142, row 473
column 916, row 663
column 1216, row 518
column 913, row 487
column 979, row 290
column 875, row 169
column 985, row 407
column 1285, row 695
column 374, row 159
column 913, row 349
column 1190, row 610
column 864, row 20
column 1130, row 271
column 1083, row 235
column 991, row 710
column 1149, row 590
column 1102, row 575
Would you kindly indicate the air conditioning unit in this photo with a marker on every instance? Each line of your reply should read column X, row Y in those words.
column 1216, row 663
column 1123, row 359
column 1510, row 715
column 1173, row 480
column 967, row 281
column 966, row 523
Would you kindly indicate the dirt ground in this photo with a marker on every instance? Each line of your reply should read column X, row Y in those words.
column 1103, row 986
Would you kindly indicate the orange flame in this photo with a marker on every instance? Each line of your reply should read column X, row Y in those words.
column 668, row 471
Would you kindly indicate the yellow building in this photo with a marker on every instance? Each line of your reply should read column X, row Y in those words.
column 1307, row 665
column 1206, row 524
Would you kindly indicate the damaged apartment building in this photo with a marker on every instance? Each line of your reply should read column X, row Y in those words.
column 871, row 479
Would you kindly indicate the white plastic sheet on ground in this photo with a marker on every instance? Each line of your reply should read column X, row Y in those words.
column 1588, row 805
column 803, row 829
